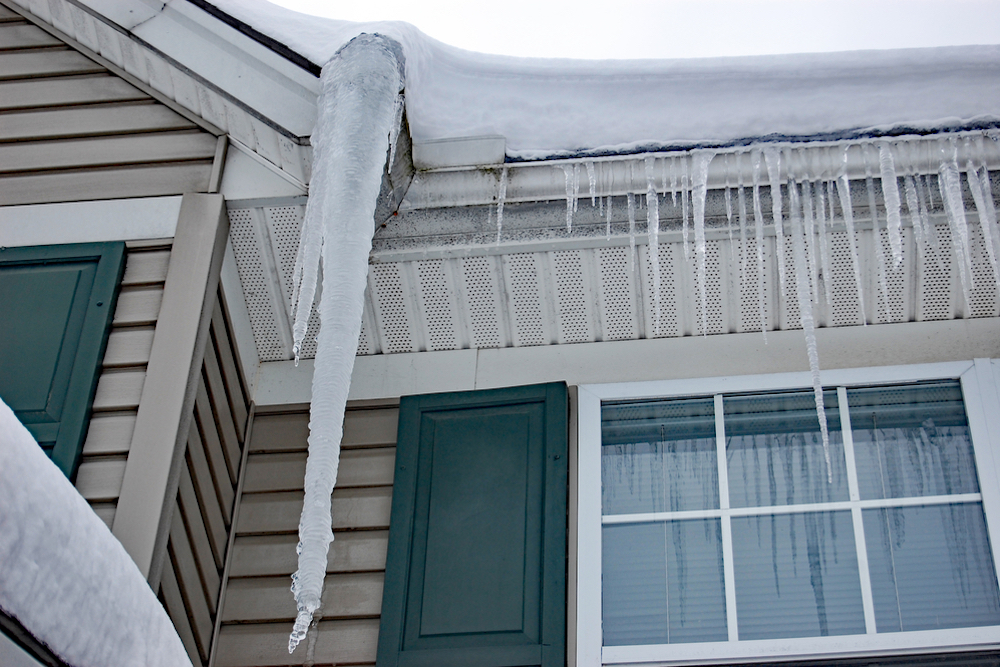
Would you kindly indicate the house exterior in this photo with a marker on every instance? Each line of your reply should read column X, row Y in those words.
column 166, row 148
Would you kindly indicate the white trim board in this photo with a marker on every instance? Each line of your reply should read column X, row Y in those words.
column 90, row 221
column 394, row 375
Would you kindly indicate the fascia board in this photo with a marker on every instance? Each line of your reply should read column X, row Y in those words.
column 273, row 87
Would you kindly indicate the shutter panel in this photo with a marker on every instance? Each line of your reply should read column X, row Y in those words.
column 476, row 568
column 57, row 304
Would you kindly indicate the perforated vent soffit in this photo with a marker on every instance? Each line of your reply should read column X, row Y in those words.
column 439, row 280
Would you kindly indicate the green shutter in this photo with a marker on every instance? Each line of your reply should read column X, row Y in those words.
column 476, row 569
column 57, row 303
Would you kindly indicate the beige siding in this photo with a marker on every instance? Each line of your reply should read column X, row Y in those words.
column 71, row 130
column 258, row 609
column 202, row 517
column 119, row 389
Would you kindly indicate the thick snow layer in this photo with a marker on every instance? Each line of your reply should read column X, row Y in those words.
column 548, row 107
column 64, row 576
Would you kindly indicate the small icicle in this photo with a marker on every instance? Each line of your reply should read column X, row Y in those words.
column 729, row 202
column 844, row 191
column 685, row 186
column 949, row 179
column 501, row 198
column 823, row 192
column 990, row 211
column 773, row 159
column 576, row 186
column 607, row 210
column 741, row 198
column 890, row 194
column 758, row 218
column 568, row 173
column 876, row 237
column 630, row 199
column 699, row 191
column 673, row 181
column 987, row 214
column 808, row 214
column 663, row 177
column 913, row 208
column 805, row 314
column 653, row 231
column 592, row 181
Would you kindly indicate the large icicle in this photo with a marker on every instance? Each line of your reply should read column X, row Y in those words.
column 773, row 159
column 844, row 192
column 890, row 194
column 359, row 86
column 806, row 316
column 653, row 231
column 570, row 198
column 986, row 211
column 699, row 190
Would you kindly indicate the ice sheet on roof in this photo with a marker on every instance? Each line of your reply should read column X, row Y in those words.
column 64, row 576
column 551, row 107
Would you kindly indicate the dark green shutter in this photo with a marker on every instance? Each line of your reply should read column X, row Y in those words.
column 476, row 569
column 57, row 303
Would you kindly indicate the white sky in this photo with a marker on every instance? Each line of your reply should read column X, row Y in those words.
column 678, row 28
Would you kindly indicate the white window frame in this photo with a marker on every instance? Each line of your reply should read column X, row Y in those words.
column 980, row 382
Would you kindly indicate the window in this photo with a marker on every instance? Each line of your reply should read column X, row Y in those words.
column 725, row 530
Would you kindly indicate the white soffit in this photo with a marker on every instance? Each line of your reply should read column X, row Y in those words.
column 189, row 57
column 89, row 221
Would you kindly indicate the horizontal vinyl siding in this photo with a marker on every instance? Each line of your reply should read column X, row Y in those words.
column 202, row 518
column 119, row 388
column 71, row 130
column 259, row 609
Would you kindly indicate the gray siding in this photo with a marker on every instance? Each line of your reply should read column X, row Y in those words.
column 202, row 516
column 71, row 130
column 119, row 388
column 258, row 609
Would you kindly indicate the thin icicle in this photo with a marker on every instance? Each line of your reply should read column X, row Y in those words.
column 890, row 194
column 949, row 180
column 773, row 159
column 742, row 200
column 305, row 275
column 808, row 213
column 653, row 231
column 758, row 218
column 844, row 191
column 607, row 210
column 576, row 186
column 630, row 199
column 805, row 315
column 729, row 202
column 592, row 181
column 913, row 208
column 397, row 124
column 876, row 238
column 685, row 187
column 570, row 201
column 358, row 88
column 823, row 192
column 985, row 223
column 699, row 191
column 501, row 198
column 673, row 182
column 990, row 210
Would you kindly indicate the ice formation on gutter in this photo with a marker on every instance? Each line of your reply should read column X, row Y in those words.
column 806, row 182
column 357, row 123
column 64, row 576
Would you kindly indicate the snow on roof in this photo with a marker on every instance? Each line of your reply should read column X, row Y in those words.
column 64, row 576
column 552, row 107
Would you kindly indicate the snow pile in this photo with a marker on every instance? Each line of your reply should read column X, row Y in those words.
column 547, row 107
column 357, row 124
column 64, row 576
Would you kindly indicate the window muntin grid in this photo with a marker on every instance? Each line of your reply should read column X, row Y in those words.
column 683, row 427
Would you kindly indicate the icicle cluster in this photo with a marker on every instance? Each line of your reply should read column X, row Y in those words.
column 359, row 114
column 806, row 186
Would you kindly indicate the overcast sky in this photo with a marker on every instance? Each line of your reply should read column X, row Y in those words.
column 678, row 28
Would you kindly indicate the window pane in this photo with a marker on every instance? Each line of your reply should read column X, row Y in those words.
column 931, row 567
column 659, row 456
column 796, row 576
column 663, row 583
column 912, row 441
column 775, row 450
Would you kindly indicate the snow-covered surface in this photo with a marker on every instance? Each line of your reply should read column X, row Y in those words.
column 64, row 576
column 547, row 107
